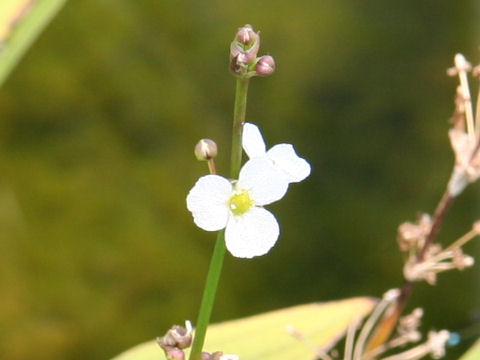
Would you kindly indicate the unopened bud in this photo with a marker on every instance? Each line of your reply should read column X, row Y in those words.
column 206, row 356
column 176, row 337
column 217, row 355
column 205, row 150
column 212, row 356
column 175, row 354
column 246, row 35
column 265, row 66
column 243, row 51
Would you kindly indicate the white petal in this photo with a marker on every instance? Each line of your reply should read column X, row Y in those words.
column 252, row 234
column 207, row 201
column 263, row 182
column 252, row 141
column 286, row 160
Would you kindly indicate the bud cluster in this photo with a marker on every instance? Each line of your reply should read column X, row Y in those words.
column 176, row 340
column 179, row 338
column 244, row 48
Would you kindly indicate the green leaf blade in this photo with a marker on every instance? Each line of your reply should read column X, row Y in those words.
column 21, row 22
column 473, row 353
column 264, row 336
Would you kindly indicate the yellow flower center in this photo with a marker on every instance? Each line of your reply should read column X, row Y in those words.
column 240, row 203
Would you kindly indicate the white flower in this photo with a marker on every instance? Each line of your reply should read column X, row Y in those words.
column 282, row 156
column 237, row 206
column 216, row 203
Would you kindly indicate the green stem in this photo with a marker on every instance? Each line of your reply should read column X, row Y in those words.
column 239, row 111
column 216, row 262
column 208, row 296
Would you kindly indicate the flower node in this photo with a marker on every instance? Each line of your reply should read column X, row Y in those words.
column 412, row 236
column 175, row 340
column 435, row 261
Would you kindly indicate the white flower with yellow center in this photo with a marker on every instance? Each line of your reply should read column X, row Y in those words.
column 237, row 206
column 217, row 203
column 282, row 156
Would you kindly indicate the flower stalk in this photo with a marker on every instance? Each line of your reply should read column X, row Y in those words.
column 218, row 255
column 208, row 298
column 239, row 112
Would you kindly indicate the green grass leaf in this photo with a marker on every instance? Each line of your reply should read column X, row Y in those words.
column 21, row 21
column 264, row 336
column 473, row 353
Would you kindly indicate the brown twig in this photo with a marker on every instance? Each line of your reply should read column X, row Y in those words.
column 387, row 325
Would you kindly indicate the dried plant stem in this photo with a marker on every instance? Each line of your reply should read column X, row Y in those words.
column 477, row 117
column 440, row 212
column 350, row 339
column 462, row 241
column 462, row 75
column 367, row 328
column 387, row 325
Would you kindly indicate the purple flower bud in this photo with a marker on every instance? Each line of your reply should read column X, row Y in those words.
column 213, row 356
column 206, row 356
column 176, row 337
column 205, row 150
column 265, row 66
column 243, row 50
column 175, row 354
column 246, row 35
column 217, row 355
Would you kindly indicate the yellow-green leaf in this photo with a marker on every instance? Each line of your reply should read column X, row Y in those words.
column 473, row 353
column 21, row 21
column 264, row 336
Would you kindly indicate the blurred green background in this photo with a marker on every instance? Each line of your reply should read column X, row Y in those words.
column 97, row 128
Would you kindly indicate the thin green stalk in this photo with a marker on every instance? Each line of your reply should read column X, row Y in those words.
column 208, row 296
column 239, row 111
column 216, row 262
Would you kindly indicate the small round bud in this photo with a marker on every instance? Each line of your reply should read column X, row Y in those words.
column 205, row 150
column 217, row 355
column 246, row 35
column 206, row 356
column 265, row 66
column 175, row 354
column 176, row 337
